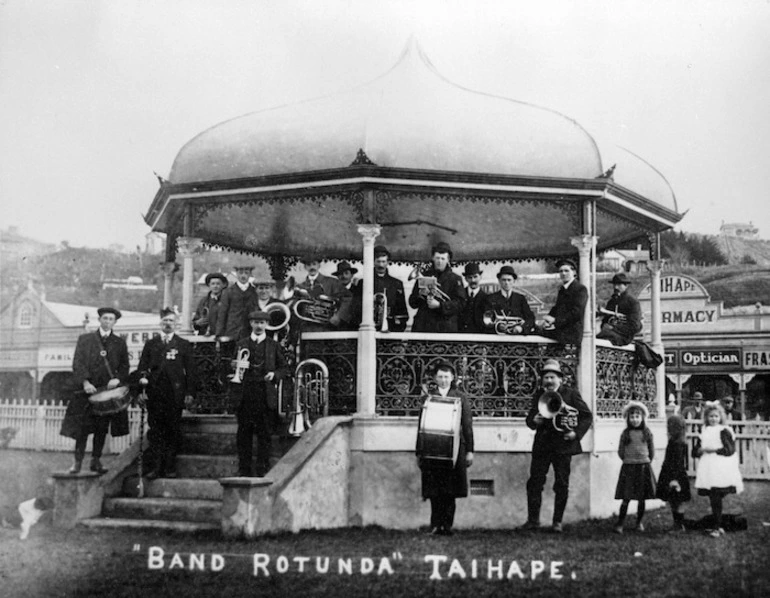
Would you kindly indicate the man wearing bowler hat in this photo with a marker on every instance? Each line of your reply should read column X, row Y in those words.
column 437, row 312
column 167, row 370
column 256, row 397
column 100, row 363
column 553, row 447
column 314, row 286
column 237, row 301
column 393, row 288
column 621, row 328
column 471, row 318
column 344, row 274
column 507, row 302
column 206, row 315
column 564, row 322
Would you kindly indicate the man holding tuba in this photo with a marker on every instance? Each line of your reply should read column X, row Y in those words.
column 556, row 440
column 502, row 306
column 328, row 293
column 439, row 303
column 389, row 295
column 260, row 365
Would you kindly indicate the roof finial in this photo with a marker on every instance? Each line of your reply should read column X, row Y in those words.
column 362, row 159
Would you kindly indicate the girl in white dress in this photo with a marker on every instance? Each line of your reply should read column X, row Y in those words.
column 717, row 472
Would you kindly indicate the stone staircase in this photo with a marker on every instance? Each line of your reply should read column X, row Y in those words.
column 191, row 502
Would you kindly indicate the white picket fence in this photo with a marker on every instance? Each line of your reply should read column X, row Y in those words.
column 752, row 443
column 37, row 427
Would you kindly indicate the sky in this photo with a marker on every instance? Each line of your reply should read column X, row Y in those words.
column 98, row 95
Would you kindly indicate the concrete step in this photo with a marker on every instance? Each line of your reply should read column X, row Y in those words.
column 191, row 488
column 177, row 526
column 166, row 509
column 197, row 443
column 206, row 466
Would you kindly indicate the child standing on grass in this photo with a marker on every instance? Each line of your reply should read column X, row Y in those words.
column 636, row 449
column 717, row 472
column 673, row 483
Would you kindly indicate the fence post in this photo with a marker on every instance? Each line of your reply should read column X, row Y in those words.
column 40, row 428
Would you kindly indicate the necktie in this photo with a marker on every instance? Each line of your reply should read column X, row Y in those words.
column 166, row 338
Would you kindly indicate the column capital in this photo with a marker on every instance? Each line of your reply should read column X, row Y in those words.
column 189, row 246
column 584, row 243
column 369, row 232
column 655, row 266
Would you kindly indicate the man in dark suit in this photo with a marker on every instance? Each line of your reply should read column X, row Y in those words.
column 317, row 284
column 564, row 322
column 237, row 302
column 393, row 289
column 552, row 447
column 508, row 302
column 207, row 314
column 167, row 369
column 345, row 274
column 100, row 363
column 471, row 318
column 256, row 397
column 621, row 328
column 438, row 314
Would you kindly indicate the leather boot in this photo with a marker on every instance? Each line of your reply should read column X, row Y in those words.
column 97, row 467
column 76, row 467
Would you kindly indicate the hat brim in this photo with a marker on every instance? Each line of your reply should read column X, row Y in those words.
column 109, row 310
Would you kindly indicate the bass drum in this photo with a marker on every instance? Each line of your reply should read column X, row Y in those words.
column 110, row 401
column 438, row 435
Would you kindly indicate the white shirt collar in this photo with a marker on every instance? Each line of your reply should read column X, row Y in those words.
column 258, row 339
column 243, row 287
column 566, row 285
column 167, row 337
column 104, row 334
column 443, row 391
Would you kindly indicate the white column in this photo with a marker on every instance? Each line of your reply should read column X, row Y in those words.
column 188, row 247
column 654, row 267
column 367, row 343
column 168, row 269
column 587, row 366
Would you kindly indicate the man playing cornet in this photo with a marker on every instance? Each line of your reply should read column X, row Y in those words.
column 439, row 304
column 259, row 368
column 507, row 303
column 555, row 443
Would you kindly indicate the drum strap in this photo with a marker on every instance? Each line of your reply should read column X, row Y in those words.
column 103, row 353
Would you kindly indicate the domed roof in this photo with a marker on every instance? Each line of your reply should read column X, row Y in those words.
column 410, row 117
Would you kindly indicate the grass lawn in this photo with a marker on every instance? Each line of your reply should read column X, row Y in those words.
column 594, row 561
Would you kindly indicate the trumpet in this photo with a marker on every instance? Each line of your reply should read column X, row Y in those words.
column 311, row 394
column 551, row 406
column 319, row 309
column 240, row 370
column 502, row 323
column 381, row 311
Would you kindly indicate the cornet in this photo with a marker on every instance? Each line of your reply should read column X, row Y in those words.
column 240, row 370
column 552, row 406
column 503, row 323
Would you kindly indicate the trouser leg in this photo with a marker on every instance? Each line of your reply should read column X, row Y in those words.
column 538, row 470
column 243, row 440
column 173, row 436
column 80, row 447
column 561, row 470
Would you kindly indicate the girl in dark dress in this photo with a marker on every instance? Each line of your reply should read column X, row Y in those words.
column 636, row 448
column 673, row 483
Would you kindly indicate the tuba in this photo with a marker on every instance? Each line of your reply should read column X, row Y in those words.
column 311, row 395
column 502, row 323
column 237, row 377
column 279, row 316
column 552, row 406
column 381, row 312
column 318, row 310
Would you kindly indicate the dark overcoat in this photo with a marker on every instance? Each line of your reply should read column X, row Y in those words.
column 274, row 361
column 176, row 360
column 234, row 310
column 471, row 318
column 550, row 441
column 88, row 364
column 444, row 318
column 210, row 306
column 627, row 305
column 398, row 316
column 516, row 305
column 568, row 312
column 444, row 481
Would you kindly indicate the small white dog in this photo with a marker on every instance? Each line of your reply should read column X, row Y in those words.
column 31, row 511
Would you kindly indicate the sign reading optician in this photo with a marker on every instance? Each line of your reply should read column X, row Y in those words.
column 711, row 359
column 756, row 359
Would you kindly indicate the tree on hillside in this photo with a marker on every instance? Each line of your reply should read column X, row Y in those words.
column 683, row 248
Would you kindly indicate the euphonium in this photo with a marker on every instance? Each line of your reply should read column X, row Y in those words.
column 243, row 355
column 381, row 311
column 283, row 316
column 503, row 323
column 551, row 406
column 311, row 394
column 319, row 309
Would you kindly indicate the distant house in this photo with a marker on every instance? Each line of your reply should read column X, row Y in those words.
column 132, row 283
column 633, row 261
column 739, row 229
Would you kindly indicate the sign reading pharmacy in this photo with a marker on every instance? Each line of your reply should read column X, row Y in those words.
column 685, row 303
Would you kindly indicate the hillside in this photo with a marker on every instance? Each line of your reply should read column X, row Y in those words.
column 738, row 250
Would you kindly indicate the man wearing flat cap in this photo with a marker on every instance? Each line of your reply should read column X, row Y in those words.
column 471, row 318
column 392, row 288
column 255, row 399
column 100, row 363
column 344, row 274
column 207, row 314
column 438, row 311
column 552, row 447
column 564, row 322
column 237, row 301
column 626, row 323
column 167, row 370
column 317, row 285
column 508, row 303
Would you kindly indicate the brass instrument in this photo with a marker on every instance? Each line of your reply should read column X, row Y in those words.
column 381, row 312
column 551, row 406
column 311, row 395
column 282, row 313
column 502, row 323
column 319, row 309
column 617, row 322
column 428, row 285
column 240, row 370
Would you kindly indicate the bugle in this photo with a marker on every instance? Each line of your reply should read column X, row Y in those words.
column 502, row 323
column 551, row 406
column 314, row 309
column 240, row 370
column 311, row 394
